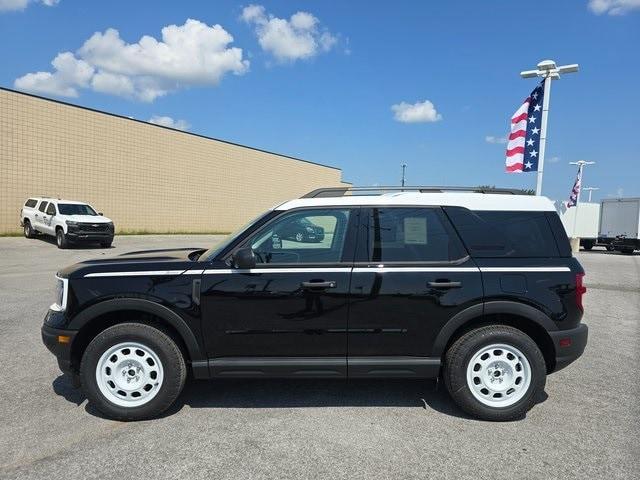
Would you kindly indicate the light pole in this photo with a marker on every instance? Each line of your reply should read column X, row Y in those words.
column 581, row 163
column 549, row 71
column 404, row 167
column 590, row 190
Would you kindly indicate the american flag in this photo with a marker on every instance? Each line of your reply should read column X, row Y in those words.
column 524, row 141
column 573, row 198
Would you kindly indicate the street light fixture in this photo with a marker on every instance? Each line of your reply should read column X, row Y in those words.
column 590, row 189
column 548, row 70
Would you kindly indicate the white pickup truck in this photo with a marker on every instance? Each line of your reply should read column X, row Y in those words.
column 67, row 220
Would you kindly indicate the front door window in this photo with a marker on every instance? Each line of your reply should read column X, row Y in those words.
column 303, row 237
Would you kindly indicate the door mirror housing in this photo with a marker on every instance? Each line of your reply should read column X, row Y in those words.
column 100, row 213
column 244, row 258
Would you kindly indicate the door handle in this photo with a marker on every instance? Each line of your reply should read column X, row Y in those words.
column 445, row 284
column 318, row 285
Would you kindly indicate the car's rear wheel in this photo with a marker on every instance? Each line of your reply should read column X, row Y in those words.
column 132, row 371
column 29, row 232
column 495, row 372
column 61, row 239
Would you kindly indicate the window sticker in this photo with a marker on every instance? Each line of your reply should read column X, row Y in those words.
column 415, row 230
column 276, row 243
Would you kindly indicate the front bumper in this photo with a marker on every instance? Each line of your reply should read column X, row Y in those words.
column 569, row 345
column 58, row 341
column 89, row 237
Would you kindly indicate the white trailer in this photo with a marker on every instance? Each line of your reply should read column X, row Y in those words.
column 584, row 226
column 620, row 223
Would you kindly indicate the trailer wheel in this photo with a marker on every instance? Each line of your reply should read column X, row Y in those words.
column 587, row 244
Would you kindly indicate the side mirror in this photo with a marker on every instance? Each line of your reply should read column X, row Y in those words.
column 244, row 258
column 100, row 213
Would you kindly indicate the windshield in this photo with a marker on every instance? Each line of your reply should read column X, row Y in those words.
column 75, row 209
column 213, row 252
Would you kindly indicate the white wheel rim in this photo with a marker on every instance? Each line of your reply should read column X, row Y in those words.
column 299, row 237
column 498, row 375
column 129, row 374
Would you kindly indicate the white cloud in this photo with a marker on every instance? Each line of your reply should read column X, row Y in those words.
column 492, row 139
column 188, row 55
column 170, row 122
column 13, row 5
column 418, row 112
column 554, row 159
column 613, row 7
column 298, row 38
column 69, row 75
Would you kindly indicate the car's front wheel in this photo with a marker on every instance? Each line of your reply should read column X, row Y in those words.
column 61, row 239
column 495, row 372
column 132, row 371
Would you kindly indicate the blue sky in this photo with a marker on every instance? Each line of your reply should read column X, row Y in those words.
column 321, row 85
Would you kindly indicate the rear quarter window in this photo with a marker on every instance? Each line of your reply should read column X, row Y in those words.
column 31, row 203
column 515, row 234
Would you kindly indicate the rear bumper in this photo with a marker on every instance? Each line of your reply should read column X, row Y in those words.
column 61, row 350
column 569, row 345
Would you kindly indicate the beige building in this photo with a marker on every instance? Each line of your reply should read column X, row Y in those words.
column 145, row 177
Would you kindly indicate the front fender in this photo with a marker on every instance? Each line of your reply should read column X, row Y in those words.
column 142, row 305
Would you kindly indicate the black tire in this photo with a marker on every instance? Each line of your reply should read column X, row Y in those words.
column 61, row 239
column 168, row 353
column 626, row 251
column 459, row 355
column 105, row 244
column 588, row 245
column 610, row 248
column 29, row 232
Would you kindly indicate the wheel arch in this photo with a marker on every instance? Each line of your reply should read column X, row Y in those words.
column 105, row 314
column 524, row 317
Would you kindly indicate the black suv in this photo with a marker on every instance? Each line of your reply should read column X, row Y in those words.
column 478, row 288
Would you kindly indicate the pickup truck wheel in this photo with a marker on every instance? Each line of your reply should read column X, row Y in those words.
column 61, row 239
column 610, row 248
column 29, row 232
column 495, row 373
column 132, row 371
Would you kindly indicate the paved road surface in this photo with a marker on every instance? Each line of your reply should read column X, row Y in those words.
column 587, row 427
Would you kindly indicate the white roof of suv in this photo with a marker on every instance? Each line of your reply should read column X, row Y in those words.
column 58, row 200
column 472, row 201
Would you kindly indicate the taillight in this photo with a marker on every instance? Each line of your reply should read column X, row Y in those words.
column 580, row 290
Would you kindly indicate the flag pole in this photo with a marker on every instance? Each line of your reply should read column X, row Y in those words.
column 543, row 131
column 549, row 71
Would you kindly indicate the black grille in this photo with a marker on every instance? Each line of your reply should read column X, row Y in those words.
column 93, row 227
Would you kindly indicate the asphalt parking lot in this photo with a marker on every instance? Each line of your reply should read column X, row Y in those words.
column 587, row 427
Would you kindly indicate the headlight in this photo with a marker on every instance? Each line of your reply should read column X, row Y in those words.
column 71, row 224
column 61, row 294
column 309, row 229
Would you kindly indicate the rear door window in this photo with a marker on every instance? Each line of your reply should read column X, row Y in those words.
column 408, row 235
column 517, row 234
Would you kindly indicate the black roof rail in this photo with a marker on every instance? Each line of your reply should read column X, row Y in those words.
column 379, row 190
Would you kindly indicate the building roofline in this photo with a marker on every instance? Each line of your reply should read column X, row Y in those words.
column 95, row 110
